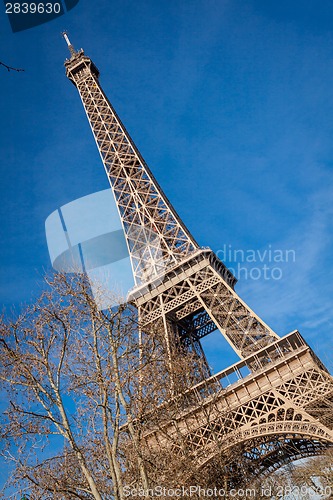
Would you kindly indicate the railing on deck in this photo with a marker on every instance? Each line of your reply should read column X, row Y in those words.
column 251, row 365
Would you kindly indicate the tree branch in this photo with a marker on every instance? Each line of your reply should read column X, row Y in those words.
column 10, row 68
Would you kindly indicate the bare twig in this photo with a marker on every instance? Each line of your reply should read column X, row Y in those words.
column 10, row 68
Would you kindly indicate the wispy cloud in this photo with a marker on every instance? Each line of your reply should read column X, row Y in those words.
column 302, row 299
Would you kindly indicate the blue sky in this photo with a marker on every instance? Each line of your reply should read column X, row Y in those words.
column 231, row 105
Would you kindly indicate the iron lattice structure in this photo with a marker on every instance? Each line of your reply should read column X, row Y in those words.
column 279, row 405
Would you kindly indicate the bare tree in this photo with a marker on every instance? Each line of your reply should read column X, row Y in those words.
column 305, row 479
column 314, row 476
column 83, row 391
column 95, row 408
column 66, row 369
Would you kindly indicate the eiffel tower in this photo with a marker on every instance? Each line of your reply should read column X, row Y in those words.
column 279, row 406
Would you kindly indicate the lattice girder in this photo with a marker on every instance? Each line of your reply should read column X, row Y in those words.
column 155, row 236
column 248, row 463
column 154, row 233
column 200, row 287
column 257, row 407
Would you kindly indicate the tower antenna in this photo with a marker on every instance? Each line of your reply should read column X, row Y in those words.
column 70, row 46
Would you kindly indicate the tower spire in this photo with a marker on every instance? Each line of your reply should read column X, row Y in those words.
column 70, row 46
